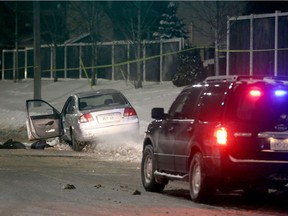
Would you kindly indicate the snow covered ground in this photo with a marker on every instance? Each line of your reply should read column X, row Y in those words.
column 13, row 115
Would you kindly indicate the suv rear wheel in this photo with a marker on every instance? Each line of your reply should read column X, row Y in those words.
column 147, row 171
column 201, row 188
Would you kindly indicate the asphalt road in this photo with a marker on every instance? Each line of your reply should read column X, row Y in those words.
column 49, row 182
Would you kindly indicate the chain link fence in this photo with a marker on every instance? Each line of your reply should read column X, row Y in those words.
column 115, row 60
column 257, row 45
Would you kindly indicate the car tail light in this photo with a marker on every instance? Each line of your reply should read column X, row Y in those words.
column 129, row 111
column 221, row 136
column 87, row 117
column 255, row 93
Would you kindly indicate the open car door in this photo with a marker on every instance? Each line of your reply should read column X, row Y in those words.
column 42, row 120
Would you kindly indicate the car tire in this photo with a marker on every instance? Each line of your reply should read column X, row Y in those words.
column 74, row 143
column 147, row 171
column 201, row 187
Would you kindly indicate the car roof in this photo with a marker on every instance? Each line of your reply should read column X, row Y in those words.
column 96, row 92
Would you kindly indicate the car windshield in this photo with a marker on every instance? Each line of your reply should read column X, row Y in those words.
column 104, row 100
column 264, row 104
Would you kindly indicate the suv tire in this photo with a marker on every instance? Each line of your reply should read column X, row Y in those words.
column 147, row 171
column 201, row 188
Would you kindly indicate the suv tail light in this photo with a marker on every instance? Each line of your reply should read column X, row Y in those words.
column 87, row 117
column 221, row 136
column 129, row 111
column 255, row 93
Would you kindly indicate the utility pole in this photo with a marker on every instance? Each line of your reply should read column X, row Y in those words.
column 16, row 75
column 37, row 51
column 216, row 32
column 139, row 77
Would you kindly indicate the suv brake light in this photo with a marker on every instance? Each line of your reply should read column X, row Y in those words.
column 87, row 117
column 221, row 136
column 129, row 111
column 255, row 93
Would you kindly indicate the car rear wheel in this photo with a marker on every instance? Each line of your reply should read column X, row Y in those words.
column 201, row 187
column 75, row 143
column 147, row 171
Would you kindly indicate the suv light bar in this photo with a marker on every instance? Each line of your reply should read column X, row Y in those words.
column 233, row 78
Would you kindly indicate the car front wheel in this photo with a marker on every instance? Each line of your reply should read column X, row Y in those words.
column 201, row 188
column 147, row 171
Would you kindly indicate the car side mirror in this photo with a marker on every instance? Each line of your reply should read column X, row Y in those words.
column 157, row 113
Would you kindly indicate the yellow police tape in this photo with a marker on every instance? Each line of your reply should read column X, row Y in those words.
column 149, row 58
column 86, row 74
column 258, row 50
column 126, row 62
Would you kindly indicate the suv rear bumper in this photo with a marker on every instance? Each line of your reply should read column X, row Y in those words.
column 251, row 161
column 260, row 168
column 235, row 170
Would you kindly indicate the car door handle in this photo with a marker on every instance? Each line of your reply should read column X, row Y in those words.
column 189, row 129
column 49, row 123
column 171, row 129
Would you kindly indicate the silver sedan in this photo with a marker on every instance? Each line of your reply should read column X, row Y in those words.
column 86, row 117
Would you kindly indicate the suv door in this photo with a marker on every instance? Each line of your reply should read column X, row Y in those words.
column 184, row 127
column 165, row 148
column 42, row 120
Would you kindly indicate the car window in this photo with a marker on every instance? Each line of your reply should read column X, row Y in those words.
column 103, row 100
column 212, row 103
column 177, row 106
column 66, row 107
column 71, row 106
column 119, row 99
column 38, row 108
column 191, row 103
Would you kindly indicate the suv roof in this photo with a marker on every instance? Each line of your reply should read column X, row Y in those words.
column 235, row 78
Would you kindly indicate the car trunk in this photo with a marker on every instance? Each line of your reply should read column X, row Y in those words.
column 109, row 116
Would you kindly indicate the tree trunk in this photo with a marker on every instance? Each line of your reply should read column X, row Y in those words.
column 217, row 39
column 216, row 60
column 94, row 62
column 37, row 51
column 139, row 74
column 55, row 78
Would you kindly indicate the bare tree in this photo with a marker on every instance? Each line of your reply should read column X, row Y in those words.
column 90, row 17
column 210, row 19
column 54, row 23
column 138, row 21
column 15, row 19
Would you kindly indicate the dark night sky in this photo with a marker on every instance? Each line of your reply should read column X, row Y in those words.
column 259, row 7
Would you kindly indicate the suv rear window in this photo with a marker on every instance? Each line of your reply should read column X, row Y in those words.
column 259, row 103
